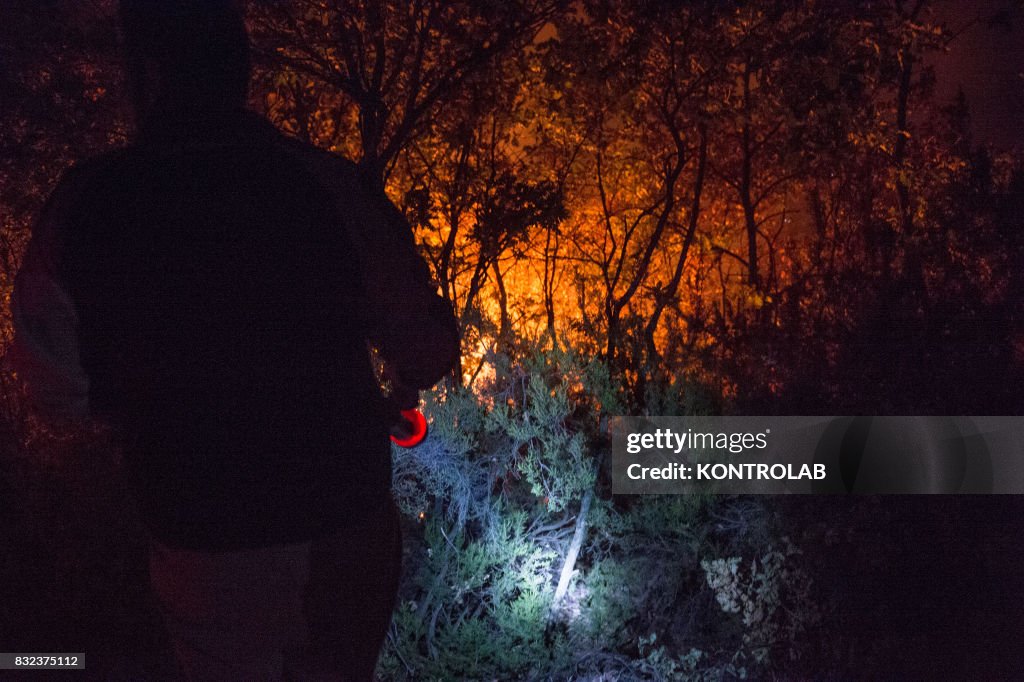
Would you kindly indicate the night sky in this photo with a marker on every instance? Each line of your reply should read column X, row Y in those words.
column 987, row 62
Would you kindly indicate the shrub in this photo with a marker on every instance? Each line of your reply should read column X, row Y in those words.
column 493, row 500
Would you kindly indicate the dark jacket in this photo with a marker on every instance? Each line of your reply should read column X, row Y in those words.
column 210, row 291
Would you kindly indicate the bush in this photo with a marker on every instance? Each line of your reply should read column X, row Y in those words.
column 493, row 501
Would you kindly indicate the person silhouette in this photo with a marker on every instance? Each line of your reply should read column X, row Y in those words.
column 210, row 290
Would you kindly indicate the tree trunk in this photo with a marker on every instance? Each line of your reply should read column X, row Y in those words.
column 574, row 549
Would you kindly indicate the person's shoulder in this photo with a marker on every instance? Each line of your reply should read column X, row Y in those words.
column 85, row 172
column 82, row 170
column 340, row 172
column 79, row 181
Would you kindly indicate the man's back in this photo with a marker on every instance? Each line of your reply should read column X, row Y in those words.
column 223, row 325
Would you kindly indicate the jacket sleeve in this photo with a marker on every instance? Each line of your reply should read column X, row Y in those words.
column 407, row 321
column 400, row 312
column 45, row 351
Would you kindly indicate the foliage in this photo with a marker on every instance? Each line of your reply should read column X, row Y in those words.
column 770, row 596
column 493, row 495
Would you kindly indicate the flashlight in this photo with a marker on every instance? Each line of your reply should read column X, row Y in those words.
column 408, row 425
column 410, row 430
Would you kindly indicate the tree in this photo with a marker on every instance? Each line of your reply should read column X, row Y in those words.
column 383, row 70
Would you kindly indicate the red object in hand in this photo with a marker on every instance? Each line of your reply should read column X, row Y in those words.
column 411, row 431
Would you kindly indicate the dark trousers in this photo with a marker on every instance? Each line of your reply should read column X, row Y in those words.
column 313, row 611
